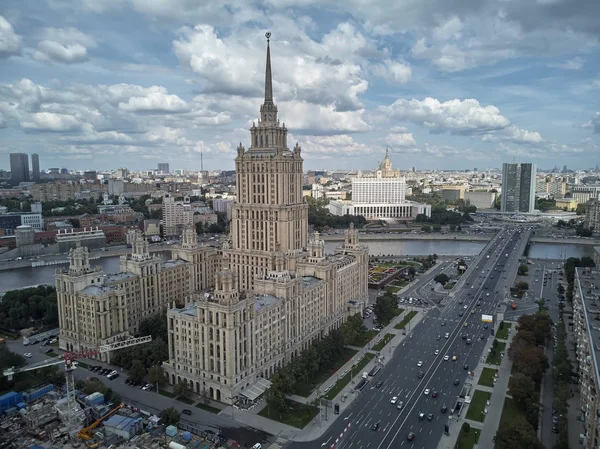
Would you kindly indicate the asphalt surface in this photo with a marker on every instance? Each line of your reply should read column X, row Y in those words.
column 400, row 374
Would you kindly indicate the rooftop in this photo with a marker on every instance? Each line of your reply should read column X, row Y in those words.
column 265, row 301
column 309, row 281
column 118, row 277
column 173, row 263
column 98, row 289
column 589, row 288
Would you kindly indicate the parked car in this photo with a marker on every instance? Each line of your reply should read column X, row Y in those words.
column 186, row 411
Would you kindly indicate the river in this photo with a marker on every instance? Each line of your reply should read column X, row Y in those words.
column 24, row 277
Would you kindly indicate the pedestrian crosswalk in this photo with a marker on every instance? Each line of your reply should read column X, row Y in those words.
column 279, row 443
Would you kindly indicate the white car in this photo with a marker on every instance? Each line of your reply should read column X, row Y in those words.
column 465, row 306
column 394, row 400
column 420, row 363
column 437, row 352
column 426, row 392
column 446, row 358
column 27, row 354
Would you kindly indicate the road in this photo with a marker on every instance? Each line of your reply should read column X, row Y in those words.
column 400, row 375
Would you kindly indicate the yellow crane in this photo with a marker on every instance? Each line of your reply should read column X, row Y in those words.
column 86, row 434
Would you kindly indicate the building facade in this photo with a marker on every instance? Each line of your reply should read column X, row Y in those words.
column 97, row 308
column 19, row 168
column 592, row 215
column 587, row 334
column 380, row 197
column 481, row 200
column 518, row 188
column 35, row 167
column 277, row 291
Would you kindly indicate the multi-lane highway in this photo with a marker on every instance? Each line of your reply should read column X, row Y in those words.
column 428, row 344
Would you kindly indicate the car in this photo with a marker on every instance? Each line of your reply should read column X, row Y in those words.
column 472, row 312
column 429, row 416
column 375, row 426
column 378, row 384
column 434, row 394
column 421, row 416
column 147, row 387
column 48, row 351
column 464, row 336
column 456, row 381
column 420, row 375
column 466, row 366
column 411, row 436
column 454, row 358
column 443, row 323
column 444, row 408
column 27, row 355
column 113, row 376
column 447, row 336
column 420, row 363
column 439, row 337
column 426, row 391
column 465, row 306
column 437, row 352
column 446, row 358
column 400, row 405
column 394, row 400
column 112, row 372
column 461, row 313
column 186, row 411
column 485, row 326
column 466, row 324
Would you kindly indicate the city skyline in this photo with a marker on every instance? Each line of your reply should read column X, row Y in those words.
column 105, row 84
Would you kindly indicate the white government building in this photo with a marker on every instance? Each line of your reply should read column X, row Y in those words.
column 380, row 197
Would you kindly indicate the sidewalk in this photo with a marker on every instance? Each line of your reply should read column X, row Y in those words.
column 491, row 421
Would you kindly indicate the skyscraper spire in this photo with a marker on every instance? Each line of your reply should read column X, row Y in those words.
column 268, row 79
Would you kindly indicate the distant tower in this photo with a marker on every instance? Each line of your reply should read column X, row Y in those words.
column 19, row 168
column 189, row 239
column 35, row 167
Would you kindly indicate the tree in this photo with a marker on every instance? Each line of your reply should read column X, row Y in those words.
column 169, row 416
column 466, row 427
column 522, row 285
column 386, row 308
column 517, row 433
column 156, row 374
column 521, row 389
column 523, row 269
column 180, row 388
column 137, row 370
column 412, row 272
column 442, row 278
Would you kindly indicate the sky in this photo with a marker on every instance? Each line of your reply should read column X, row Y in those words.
column 444, row 84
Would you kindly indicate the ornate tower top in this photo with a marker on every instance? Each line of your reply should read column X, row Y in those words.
column 268, row 78
column 79, row 261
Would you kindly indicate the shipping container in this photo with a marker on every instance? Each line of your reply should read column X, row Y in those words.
column 37, row 393
column 9, row 400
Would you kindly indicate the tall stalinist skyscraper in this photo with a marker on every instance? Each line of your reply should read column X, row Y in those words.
column 269, row 219
column 275, row 292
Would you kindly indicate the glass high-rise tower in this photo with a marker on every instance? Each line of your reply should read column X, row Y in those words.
column 518, row 188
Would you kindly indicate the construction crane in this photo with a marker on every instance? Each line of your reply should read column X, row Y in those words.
column 86, row 434
column 70, row 362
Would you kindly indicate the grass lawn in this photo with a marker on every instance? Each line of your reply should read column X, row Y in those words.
column 449, row 285
column 379, row 346
column 345, row 380
column 393, row 289
column 509, row 411
column 478, row 403
column 363, row 339
column 467, row 440
column 487, row 377
column 297, row 415
column 208, row 408
column 502, row 334
column 166, row 393
column 304, row 389
column 494, row 359
column 185, row 400
column 409, row 316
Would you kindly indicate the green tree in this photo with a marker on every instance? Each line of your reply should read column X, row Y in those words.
column 522, row 270
column 522, row 285
column 442, row 278
column 517, row 433
column 521, row 389
column 180, row 388
column 170, row 416
column 137, row 371
column 156, row 374
column 386, row 308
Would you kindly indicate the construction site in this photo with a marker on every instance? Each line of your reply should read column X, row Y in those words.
column 50, row 418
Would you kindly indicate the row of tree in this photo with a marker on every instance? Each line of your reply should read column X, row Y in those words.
column 441, row 216
column 29, row 307
column 561, row 376
column 319, row 358
column 529, row 365
column 570, row 265
column 320, row 217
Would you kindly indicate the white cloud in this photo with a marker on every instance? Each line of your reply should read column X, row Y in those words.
column 51, row 122
column 10, row 42
column 393, row 71
column 454, row 116
column 594, row 123
column 310, row 118
column 327, row 147
column 571, row 64
column 235, row 66
column 63, row 45
column 395, row 140
column 515, row 134
column 156, row 102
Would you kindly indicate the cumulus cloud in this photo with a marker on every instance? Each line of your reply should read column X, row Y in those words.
column 327, row 147
column 156, row 102
column 51, row 122
column 594, row 123
column 392, row 71
column 454, row 116
column 235, row 66
column 68, row 46
column 402, row 139
column 10, row 42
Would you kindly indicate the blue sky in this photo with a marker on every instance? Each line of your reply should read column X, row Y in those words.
column 446, row 84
